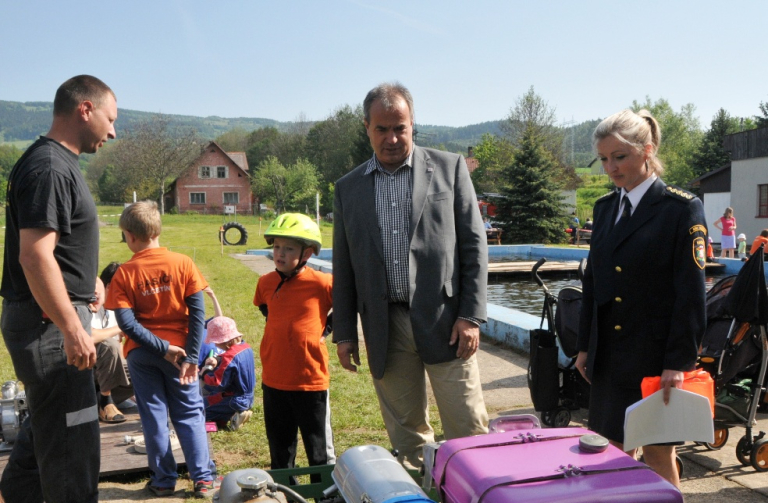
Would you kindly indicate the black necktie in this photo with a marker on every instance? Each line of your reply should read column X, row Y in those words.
column 626, row 213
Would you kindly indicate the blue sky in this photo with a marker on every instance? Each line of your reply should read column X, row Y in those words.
column 465, row 62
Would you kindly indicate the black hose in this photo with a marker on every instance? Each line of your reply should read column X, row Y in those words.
column 288, row 491
column 535, row 271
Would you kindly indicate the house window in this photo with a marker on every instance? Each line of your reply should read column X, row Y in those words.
column 205, row 171
column 762, row 201
column 197, row 198
column 231, row 197
column 221, row 171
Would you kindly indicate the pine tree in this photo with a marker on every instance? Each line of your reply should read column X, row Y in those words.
column 532, row 209
column 711, row 155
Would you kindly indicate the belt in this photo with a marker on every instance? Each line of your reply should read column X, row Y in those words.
column 47, row 319
column 404, row 305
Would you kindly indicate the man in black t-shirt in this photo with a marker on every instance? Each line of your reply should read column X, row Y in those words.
column 51, row 258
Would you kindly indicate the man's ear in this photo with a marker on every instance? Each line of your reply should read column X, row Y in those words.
column 85, row 109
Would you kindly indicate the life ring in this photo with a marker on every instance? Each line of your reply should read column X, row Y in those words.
column 242, row 233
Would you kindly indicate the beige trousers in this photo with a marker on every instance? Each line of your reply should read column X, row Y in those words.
column 402, row 393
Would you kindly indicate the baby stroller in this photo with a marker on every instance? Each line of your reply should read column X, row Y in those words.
column 557, row 390
column 735, row 352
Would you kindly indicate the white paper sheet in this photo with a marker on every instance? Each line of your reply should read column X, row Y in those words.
column 688, row 417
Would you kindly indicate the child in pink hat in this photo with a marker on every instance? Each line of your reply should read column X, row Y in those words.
column 229, row 377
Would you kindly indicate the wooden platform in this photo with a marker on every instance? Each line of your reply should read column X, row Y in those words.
column 525, row 267
column 117, row 457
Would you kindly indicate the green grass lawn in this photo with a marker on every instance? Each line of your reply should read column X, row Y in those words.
column 355, row 413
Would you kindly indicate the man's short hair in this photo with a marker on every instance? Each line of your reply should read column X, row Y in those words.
column 78, row 89
column 387, row 93
column 142, row 219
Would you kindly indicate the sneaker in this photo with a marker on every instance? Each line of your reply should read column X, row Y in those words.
column 205, row 488
column 239, row 419
column 160, row 491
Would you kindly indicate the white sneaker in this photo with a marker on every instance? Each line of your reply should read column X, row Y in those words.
column 140, row 446
column 239, row 419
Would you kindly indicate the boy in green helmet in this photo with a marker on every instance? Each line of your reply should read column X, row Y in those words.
column 296, row 300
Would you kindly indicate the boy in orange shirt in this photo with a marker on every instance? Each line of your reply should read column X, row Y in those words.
column 157, row 297
column 762, row 239
column 294, row 358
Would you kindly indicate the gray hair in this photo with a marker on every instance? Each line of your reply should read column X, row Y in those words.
column 387, row 93
column 635, row 129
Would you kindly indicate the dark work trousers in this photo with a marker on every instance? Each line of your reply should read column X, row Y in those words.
column 57, row 453
column 288, row 412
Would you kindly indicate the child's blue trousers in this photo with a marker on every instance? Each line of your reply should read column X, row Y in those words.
column 158, row 394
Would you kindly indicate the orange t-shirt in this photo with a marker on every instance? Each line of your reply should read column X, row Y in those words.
column 756, row 244
column 293, row 358
column 154, row 283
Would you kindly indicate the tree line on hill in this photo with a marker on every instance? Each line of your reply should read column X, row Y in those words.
column 527, row 157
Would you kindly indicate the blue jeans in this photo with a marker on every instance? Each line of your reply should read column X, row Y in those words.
column 57, row 453
column 158, row 394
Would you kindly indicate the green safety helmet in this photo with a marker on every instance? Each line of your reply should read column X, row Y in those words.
column 295, row 226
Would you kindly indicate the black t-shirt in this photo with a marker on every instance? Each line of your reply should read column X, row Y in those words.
column 47, row 190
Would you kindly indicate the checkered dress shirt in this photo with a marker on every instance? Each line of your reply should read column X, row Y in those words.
column 393, row 211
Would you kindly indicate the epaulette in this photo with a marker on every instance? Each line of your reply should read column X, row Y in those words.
column 678, row 193
column 606, row 196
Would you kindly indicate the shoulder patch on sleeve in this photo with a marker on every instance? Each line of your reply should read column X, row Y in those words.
column 698, row 228
column 679, row 193
column 699, row 252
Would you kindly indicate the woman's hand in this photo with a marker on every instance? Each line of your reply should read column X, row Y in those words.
column 581, row 365
column 671, row 379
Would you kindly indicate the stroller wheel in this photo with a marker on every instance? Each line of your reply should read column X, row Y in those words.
column 759, row 456
column 721, row 438
column 561, row 417
column 744, row 450
column 679, row 465
column 557, row 418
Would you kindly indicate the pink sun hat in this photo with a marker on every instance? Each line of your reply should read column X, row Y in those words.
column 221, row 329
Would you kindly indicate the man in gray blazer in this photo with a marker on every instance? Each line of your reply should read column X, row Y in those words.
column 410, row 257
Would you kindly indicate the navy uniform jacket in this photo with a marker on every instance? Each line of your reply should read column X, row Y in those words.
column 651, row 271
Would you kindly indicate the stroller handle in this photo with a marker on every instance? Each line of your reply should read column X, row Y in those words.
column 535, row 272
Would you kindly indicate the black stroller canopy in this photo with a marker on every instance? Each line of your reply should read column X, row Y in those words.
column 748, row 299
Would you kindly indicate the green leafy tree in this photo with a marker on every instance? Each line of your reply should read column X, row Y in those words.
column 234, row 140
column 361, row 147
column 331, row 143
column 710, row 153
column 531, row 111
column 680, row 137
column 762, row 120
column 9, row 154
column 493, row 155
column 532, row 209
column 261, row 145
column 288, row 187
column 113, row 185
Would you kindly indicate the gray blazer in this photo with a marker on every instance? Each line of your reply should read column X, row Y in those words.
column 448, row 260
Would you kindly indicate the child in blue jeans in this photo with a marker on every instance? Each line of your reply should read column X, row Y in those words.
column 158, row 303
